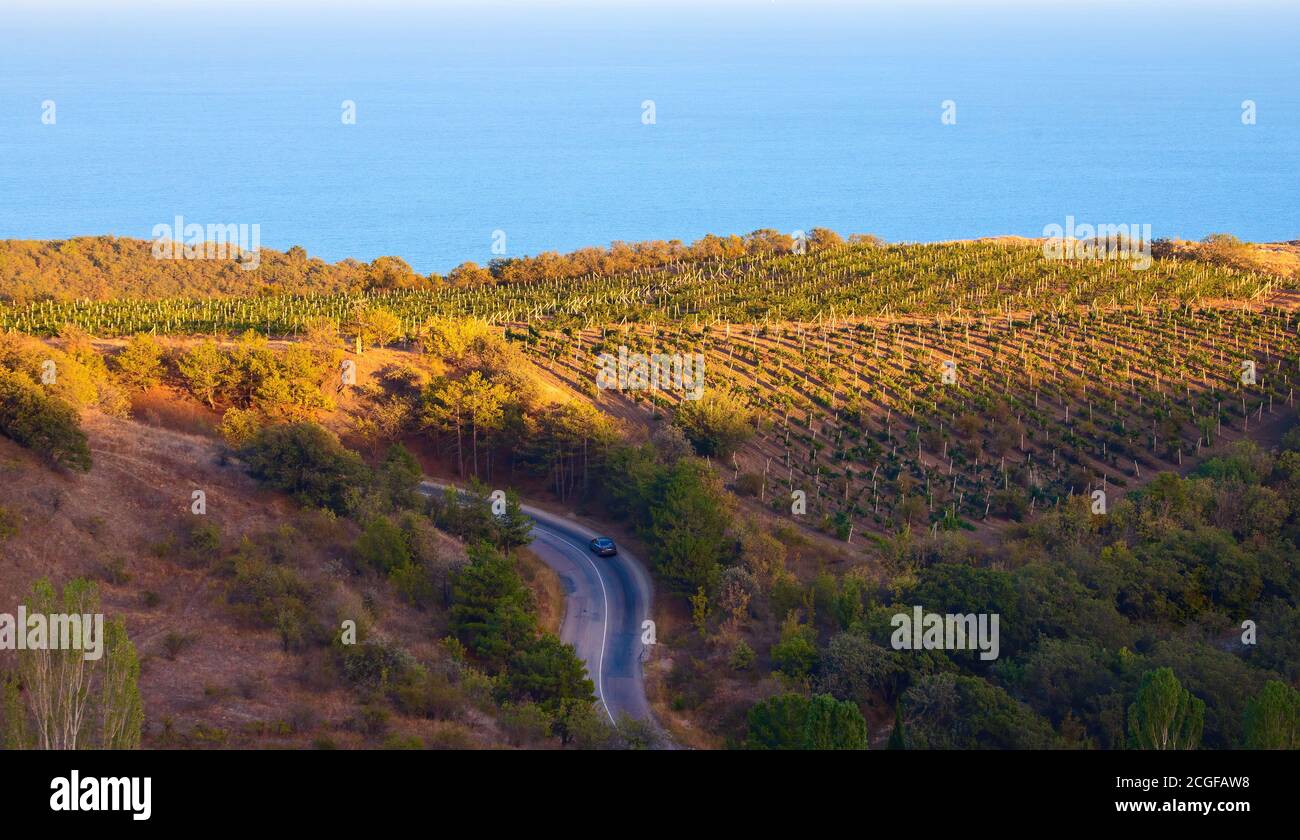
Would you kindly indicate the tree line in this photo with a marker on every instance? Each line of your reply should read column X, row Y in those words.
column 108, row 267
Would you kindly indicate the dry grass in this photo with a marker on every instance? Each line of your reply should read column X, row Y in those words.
column 206, row 678
column 548, row 591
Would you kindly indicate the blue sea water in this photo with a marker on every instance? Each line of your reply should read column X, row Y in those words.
column 528, row 118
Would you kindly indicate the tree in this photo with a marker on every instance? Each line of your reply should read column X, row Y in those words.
column 955, row 711
column 322, row 332
column 383, row 326
column 777, row 723
column 300, row 371
column 308, row 461
column 524, row 723
column 469, row 274
column 72, row 702
column 716, row 424
column 688, row 530
column 1165, row 716
column 139, row 364
column 794, row 722
column 820, row 238
column 467, row 514
column 240, row 425
column 392, row 273
column 400, row 476
column 121, row 710
column 1272, row 720
column 670, row 443
column 549, row 673
column 584, row 724
column 373, row 326
column 855, row 668
column 700, row 611
column 628, row 482
column 1224, row 249
column 453, row 338
column 762, row 553
column 483, row 401
column 637, row 734
column 736, row 592
column 514, row 527
column 445, row 410
column 561, row 441
column 831, row 724
column 492, row 609
column 16, row 734
column 56, row 679
column 203, row 367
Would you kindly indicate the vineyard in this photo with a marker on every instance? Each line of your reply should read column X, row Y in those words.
column 858, row 416
column 840, row 282
column 1064, row 377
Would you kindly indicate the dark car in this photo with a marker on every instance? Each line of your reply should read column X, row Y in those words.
column 604, row 547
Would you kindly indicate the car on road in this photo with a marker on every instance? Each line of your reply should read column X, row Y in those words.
column 604, row 547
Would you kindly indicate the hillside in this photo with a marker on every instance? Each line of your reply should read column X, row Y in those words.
column 877, row 426
column 213, row 673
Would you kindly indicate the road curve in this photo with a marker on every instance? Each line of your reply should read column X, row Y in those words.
column 606, row 601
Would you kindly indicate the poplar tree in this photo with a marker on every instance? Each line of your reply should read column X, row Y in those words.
column 67, row 701
column 121, row 710
column 1165, row 716
column 1272, row 720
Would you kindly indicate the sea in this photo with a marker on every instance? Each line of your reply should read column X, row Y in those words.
column 450, row 132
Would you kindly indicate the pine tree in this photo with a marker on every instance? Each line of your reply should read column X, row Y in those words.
column 549, row 673
column 514, row 527
column 492, row 610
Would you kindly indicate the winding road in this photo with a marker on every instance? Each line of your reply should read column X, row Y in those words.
column 606, row 601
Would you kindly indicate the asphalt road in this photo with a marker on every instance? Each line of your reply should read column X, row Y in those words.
column 607, row 599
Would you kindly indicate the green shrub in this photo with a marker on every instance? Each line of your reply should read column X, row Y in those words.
column 382, row 546
column 376, row 663
column 205, row 538
column 273, row 597
column 742, row 656
column 429, row 695
column 307, row 461
column 795, row 655
column 44, row 424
